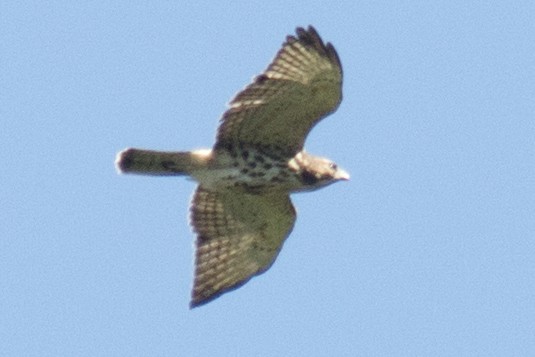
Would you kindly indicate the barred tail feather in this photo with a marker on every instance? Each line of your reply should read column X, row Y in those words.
column 157, row 163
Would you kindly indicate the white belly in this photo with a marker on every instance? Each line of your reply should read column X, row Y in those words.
column 238, row 171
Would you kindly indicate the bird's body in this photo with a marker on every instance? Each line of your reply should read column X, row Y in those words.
column 249, row 169
column 241, row 210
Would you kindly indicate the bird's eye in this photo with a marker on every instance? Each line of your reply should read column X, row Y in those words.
column 333, row 166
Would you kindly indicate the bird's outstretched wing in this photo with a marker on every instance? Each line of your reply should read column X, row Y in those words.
column 302, row 85
column 238, row 236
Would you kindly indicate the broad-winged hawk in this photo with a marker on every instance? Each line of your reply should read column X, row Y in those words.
column 241, row 210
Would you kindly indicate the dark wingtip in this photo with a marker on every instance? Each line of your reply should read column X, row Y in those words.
column 197, row 301
column 194, row 304
column 311, row 37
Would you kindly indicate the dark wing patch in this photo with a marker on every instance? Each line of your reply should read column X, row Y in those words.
column 301, row 86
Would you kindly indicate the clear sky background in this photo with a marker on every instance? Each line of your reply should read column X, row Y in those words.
column 429, row 250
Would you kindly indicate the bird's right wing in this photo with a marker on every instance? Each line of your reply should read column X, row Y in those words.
column 301, row 86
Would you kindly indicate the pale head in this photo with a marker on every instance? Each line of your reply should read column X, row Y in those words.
column 316, row 172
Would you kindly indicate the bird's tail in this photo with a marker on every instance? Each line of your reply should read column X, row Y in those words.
column 159, row 163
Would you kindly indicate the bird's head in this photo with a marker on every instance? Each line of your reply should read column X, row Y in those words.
column 315, row 172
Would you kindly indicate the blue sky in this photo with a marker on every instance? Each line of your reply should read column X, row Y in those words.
column 429, row 250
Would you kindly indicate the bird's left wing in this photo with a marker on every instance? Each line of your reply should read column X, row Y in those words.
column 239, row 235
column 302, row 85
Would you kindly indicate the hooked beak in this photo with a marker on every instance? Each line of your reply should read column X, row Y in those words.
column 342, row 175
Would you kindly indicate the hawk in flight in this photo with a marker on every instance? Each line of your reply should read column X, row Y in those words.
column 241, row 210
